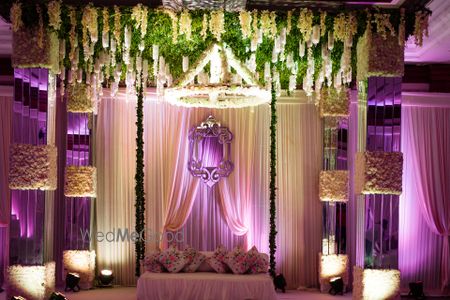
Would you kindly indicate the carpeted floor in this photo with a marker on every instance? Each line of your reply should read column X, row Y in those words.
column 129, row 293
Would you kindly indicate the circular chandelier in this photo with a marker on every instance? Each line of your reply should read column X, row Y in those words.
column 217, row 90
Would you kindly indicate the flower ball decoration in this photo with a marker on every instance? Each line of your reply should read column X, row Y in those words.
column 80, row 181
column 81, row 262
column 31, row 282
column 376, row 284
column 378, row 172
column 379, row 55
column 334, row 186
column 331, row 266
column 29, row 52
column 32, row 167
column 334, row 102
column 79, row 98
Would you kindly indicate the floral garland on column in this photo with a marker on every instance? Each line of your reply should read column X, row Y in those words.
column 139, row 177
column 272, row 186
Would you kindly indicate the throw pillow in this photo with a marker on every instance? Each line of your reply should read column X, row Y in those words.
column 194, row 258
column 172, row 259
column 257, row 262
column 216, row 261
column 151, row 262
column 237, row 260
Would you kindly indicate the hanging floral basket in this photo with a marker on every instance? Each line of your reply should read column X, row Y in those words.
column 80, row 181
column 379, row 173
column 379, row 284
column 29, row 52
column 379, row 55
column 334, row 102
column 32, row 167
column 31, row 282
column 334, row 186
column 331, row 266
column 81, row 262
column 79, row 99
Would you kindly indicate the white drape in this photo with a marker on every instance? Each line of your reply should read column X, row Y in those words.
column 425, row 144
column 299, row 163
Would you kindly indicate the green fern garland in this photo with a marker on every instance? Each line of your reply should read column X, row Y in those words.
column 273, row 188
column 139, row 177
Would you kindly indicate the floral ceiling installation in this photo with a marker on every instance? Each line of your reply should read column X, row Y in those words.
column 31, row 282
column 334, row 102
column 80, row 181
column 334, row 186
column 378, row 172
column 81, row 262
column 32, row 167
column 379, row 284
column 330, row 266
column 103, row 46
column 79, row 98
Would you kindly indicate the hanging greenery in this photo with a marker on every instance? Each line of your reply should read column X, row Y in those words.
column 272, row 185
column 139, row 177
column 307, row 47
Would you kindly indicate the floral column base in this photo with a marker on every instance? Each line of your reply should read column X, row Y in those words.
column 376, row 284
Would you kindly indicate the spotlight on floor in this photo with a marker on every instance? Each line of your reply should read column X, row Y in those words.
column 337, row 286
column 72, row 281
column 416, row 290
column 106, row 277
column 57, row 296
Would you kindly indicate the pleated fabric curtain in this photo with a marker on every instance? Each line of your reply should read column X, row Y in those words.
column 166, row 141
column 116, row 164
column 425, row 203
column 299, row 218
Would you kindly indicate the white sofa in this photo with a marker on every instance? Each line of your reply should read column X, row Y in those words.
column 205, row 284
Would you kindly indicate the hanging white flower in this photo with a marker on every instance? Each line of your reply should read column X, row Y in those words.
column 323, row 28
column 127, row 37
column 217, row 23
column 204, row 31
column 105, row 32
column 245, row 19
column 266, row 23
column 255, row 32
column 289, row 21
column 315, row 38
column 301, row 49
column 139, row 14
column 292, row 82
column 185, row 24
column 305, row 21
column 185, row 63
column 16, row 16
column 330, row 40
column 420, row 27
column 117, row 25
column 54, row 14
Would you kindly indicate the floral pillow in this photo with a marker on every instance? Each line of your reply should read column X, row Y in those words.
column 237, row 260
column 194, row 258
column 216, row 261
column 151, row 262
column 172, row 259
column 257, row 262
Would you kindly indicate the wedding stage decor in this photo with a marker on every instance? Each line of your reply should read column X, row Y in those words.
column 224, row 127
